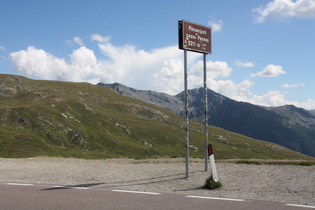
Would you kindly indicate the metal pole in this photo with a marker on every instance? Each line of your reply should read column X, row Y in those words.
column 206, row 109
column 186, row 114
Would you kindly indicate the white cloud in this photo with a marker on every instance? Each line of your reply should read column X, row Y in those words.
column 2, row 48
column 237, row 91
column 78, row 40
column 272, row 98
column 216, row 69
column 128, row 65
column 284, row 9
column 293, row 85
column 170, row 78
column 81, row 67
column 142, row 69
column 269, row 71
column 216, row 25
column 99, row 38
column 276, row 98
column 160, row 70
column 243, row 64
column 216, row 72
column 309, row 104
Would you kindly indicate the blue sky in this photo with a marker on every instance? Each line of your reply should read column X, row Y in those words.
column 263, row 51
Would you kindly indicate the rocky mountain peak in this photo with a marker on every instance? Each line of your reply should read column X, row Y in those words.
column 287, row 125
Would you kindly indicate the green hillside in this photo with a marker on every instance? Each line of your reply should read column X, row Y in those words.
column 63, row 119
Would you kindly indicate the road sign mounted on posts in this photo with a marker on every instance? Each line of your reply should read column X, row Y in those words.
column 194, row 37
column 197, row 38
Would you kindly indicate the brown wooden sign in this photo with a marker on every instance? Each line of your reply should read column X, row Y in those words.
column 194, row 37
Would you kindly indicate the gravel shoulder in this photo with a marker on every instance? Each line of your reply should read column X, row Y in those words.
column 284, row 183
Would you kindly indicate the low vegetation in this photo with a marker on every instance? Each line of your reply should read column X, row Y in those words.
column 271, row 162
column 212, row 184
column 80, row 120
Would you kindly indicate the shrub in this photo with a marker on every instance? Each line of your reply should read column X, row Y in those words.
column 212, row 184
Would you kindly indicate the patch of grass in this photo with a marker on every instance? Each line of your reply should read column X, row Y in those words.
column 212, row 184
column 256, row 162
column 268, row 162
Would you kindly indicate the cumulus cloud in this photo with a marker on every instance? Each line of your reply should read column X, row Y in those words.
column 215, row 70
column 160, row 70
column 126, row 64
column 243, row 64
column 285, row 9
column 216, row 25
column 269, row 71
column 309, row 104
column 139, row 68
column 78, row 40
column 38, row 63
column 237, row 91
column 99, row 38
column 217, row 74
column 293, row 85
column 170, row 77
column 2, row 48
column 272, row 98
column 276, row 98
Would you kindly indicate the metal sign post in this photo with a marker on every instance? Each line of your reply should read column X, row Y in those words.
column 196, row 38
column 186, row 114
column 206, row 109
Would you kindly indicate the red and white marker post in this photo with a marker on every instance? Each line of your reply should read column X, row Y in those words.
column 212, row 163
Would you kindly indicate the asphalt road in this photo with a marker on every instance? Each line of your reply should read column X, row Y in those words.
column 28, row 196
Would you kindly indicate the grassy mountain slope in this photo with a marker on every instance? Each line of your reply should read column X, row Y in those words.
column 288, row 125
column 50, row 118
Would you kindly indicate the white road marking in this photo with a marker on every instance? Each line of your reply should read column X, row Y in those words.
column 72, row 187
column 304, row 206
column 19, row 184
column 215, row 198
column 140, row 192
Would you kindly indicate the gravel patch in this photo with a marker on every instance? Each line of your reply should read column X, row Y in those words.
column 284, row 183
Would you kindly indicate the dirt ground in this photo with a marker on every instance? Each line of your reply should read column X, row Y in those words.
column 284, row 183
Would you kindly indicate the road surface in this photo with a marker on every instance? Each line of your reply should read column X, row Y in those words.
column 30, row 196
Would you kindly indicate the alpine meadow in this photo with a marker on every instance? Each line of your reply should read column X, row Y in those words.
column 81, row 120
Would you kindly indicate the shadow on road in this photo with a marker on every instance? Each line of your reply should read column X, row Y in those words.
column 65, row 187
column 126, row 183
column 148, row 181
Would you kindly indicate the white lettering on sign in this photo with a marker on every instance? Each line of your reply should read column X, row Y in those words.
column 199, row 31
column 194, row 37
column 203, row 39
column 190, row 36
column 192, row 43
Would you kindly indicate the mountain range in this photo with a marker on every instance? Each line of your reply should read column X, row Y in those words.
column 289, row 126
column 81, row 120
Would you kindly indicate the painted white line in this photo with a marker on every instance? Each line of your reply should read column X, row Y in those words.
column 215, row 198
column 19, row 184
column 139, row 192
column 69, row 187
column 303, row 206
